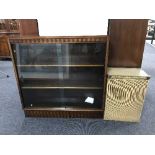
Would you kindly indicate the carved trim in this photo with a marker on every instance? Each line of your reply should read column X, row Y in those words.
column 53, row 40
column 64, row 114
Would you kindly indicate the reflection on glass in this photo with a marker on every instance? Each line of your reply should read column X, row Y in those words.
column 60, row 54
column 54, row 75
column 63, row 98
column 62, row 76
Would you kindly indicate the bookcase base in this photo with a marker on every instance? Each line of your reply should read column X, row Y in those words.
column 64, row 114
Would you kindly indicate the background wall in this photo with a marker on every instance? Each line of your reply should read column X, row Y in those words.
column 49, row 27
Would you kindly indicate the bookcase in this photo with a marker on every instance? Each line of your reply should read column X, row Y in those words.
column 19, row 27
column 10, row 28
column 61, row 76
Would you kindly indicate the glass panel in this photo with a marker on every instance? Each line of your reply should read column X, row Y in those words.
column 58, row 75
column 62, row 76
column 43, row 97
column 84, row 98
column 80, row 98
column 60, row 54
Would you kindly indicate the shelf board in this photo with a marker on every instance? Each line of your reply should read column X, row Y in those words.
column 62, row 87
column 63, row 109
column 95, row 65
column 13, row 32
column 3, row 57
column 79, row 82
column 86, row 74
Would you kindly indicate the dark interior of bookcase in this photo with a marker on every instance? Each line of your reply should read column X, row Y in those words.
column 61, row 75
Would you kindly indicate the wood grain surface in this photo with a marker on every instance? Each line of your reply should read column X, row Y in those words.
column 72, row 113
column 127, row 40
column 4, row 48
column 60, row 39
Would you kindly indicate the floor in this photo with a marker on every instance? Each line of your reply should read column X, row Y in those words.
column 13, row 121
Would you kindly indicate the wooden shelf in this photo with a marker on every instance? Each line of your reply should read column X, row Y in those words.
column 61, row 87
column 10, row 32
column 97, row 65
column 63, row 108
column 5, row 57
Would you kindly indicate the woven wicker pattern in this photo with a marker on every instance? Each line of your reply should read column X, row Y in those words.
column 124, row 99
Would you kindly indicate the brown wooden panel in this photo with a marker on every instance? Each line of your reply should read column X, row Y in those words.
column 127, row 39
column 29, row 27
column 4, row 49
column 64, row 113
column 15, row 28
column 19, row 27
column 61, row 39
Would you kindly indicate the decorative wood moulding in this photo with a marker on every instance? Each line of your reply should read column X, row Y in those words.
column 64, row 114
column 61, row 39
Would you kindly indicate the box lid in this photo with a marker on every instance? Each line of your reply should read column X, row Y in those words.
column 134, row 72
